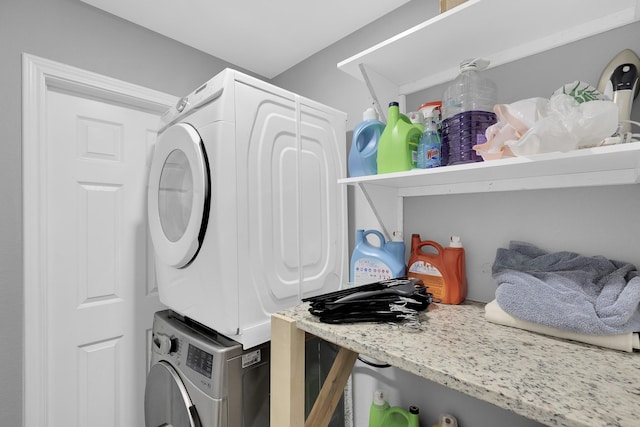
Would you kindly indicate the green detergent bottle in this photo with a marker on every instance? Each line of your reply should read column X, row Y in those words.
column 398, row 143
column 381, row 415
column 379, row 407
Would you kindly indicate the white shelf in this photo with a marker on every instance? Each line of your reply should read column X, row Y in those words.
column 608, row 165
column 499, row 30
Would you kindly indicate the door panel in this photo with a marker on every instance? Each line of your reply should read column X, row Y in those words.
column 268, row 211
column 289, row 205
column 102, row 292
column 323, row 203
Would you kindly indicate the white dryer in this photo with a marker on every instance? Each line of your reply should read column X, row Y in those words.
column 245, row 213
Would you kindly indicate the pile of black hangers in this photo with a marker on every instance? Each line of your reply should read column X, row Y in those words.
column 391, row 300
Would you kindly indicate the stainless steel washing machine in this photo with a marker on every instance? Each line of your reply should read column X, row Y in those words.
column 199, row 378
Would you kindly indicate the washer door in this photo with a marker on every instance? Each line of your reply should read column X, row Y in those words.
column 178, row 195
column 166, row 401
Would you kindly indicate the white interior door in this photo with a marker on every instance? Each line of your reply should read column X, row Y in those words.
column 101, row 288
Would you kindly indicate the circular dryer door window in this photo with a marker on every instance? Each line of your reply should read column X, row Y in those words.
column 178, row 197
column 175, row 195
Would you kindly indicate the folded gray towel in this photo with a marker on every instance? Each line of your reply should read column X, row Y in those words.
column 565, row 290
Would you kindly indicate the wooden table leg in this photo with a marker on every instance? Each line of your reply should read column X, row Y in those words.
column 287, row 373
column 332, row 389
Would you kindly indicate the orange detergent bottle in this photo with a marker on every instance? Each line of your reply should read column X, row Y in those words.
column 443, row 272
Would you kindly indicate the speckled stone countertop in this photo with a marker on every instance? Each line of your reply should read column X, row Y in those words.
column 552, row 381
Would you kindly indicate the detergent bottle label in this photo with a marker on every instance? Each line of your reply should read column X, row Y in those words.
column 369, row 270
column 430, row 276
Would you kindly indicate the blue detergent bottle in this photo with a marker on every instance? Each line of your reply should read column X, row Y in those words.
column 396, row 247
column 364, row 145
column 371, row 263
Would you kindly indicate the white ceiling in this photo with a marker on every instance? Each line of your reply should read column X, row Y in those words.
column 266, row 37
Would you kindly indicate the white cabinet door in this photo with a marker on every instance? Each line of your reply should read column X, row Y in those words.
column 290, row 209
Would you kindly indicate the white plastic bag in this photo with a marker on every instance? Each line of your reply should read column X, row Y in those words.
column 538, row 125
column 567, row 125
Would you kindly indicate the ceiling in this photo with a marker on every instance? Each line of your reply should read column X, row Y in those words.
column 266, row 37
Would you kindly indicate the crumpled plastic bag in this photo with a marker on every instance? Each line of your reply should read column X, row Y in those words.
column 538, row 125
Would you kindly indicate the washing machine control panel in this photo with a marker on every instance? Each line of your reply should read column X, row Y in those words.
column 203, row 95
column 200, row 361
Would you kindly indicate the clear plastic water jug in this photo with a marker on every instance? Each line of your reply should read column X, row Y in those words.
column 467, row 112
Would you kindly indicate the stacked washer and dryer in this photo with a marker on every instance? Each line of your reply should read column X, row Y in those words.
column 246, row 219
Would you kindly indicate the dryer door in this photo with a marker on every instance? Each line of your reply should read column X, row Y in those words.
column 166, row 401
column 178, row 195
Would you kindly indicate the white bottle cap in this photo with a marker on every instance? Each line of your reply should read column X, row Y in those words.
column 430, row 112
column 415, row 117
column 455, row 242
column 378, row 398
column 474, row 64
column 370, row 114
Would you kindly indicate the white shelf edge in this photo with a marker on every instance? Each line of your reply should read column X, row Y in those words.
column 355, row 59
column 587, row 179
column 610, row 165
column 395, row 48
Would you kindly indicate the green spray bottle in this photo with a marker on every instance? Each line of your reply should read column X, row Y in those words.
column 382, row 415
column 398, row 143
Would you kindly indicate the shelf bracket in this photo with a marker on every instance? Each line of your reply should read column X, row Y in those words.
column 372, row 93
column 386, row 91
column 379, row 196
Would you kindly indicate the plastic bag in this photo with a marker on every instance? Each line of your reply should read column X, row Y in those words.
column 538, row 125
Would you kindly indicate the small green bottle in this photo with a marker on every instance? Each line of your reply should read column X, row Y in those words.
column 400, row 417
column 378, row 408
column 381, row 414
column 398, row 143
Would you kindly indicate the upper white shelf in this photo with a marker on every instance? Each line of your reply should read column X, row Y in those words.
column 499, row 30
column 607, row 165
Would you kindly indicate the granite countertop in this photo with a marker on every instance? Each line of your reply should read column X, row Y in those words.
column 552, row 381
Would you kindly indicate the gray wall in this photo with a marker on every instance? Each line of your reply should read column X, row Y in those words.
column 319, row 78
column 71, row 32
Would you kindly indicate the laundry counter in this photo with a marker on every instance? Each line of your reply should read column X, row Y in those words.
column 552, row 381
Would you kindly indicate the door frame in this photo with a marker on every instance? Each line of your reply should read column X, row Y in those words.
column 38, row 76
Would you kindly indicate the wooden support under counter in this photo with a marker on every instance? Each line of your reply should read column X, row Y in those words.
column 287, row 373
column 332, row 389
column 287, row 378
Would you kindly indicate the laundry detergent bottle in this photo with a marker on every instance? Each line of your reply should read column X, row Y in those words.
column 379, row 406
column 443, row 272
column 381, row 414
column 371, row 263
column 396, row 247
column 398, row 143
column 363, row 155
